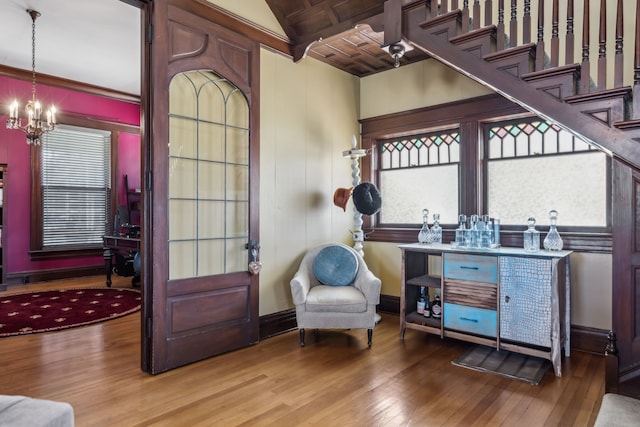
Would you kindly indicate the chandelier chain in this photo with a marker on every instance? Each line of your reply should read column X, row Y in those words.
column 33, row 55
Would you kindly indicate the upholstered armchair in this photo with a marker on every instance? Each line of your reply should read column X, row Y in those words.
column 334, row 289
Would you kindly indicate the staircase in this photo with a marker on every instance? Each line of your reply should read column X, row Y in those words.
column 597, row 100
column 466, row 38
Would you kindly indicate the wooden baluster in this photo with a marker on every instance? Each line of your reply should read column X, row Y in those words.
column 454, row 4
column 526, row 23
column 465, row 16
column 569, row 39
column 636, row 66
column 429, row 9
column 555, row 41
column 500, row 29
column 585, row 67
column 540, row 44
column 476, row 15
column 513, row 25
column 488, row 12
column 602, row 47
column 618, row 72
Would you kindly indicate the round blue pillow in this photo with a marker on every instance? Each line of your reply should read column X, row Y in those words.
column 335, row 266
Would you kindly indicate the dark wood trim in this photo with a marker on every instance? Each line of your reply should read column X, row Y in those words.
column 46, row 79
column 428, row 118
column 469, row 116
column 591, row 340
column 237, row 24
column 575, row 241
column 24, row 277
column 277, row 323
column 89, row 251
column 389, row 304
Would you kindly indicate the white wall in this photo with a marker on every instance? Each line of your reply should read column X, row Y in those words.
column 308, row 114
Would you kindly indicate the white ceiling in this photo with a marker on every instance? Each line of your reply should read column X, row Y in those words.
column 90, row 41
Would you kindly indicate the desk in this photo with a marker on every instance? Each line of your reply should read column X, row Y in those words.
column 115, row 243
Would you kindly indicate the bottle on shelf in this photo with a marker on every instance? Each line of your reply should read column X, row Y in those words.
column 486, row 231
column 473, row 241
column 421, row 301
column 427, row 306
column 436, row 229
column 553, row 241
column 424, row 234
column 436, row 307
column 531, row 237
column 462, row 225
column 496, row 233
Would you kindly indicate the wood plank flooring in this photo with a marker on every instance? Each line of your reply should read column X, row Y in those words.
column 336, row 381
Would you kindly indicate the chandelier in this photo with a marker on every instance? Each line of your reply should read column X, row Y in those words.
column 34, row 127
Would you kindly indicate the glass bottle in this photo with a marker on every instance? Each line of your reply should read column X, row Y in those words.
column 436, row 307
column 473, row 232
column 427, row 306
column 421, row 301
column 423, row 235
column 486, row 232
column 436, row 229
column 531, row 237
column 496, row 233
column 553, row 241
column 462, row 221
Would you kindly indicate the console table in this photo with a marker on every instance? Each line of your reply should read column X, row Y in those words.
column 115, row 243
column 504, row 298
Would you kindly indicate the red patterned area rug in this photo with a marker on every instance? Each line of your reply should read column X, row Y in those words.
column 33, row 312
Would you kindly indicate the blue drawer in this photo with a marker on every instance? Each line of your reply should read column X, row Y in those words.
column 474, row 268
column 480, row 321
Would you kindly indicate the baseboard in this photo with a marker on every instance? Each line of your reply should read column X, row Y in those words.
column 590, row 340
column 24, row 277
column 277, row 323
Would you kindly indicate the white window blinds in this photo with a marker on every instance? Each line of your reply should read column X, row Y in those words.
column 76, row 186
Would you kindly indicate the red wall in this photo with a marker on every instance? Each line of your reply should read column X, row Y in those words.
column 15, row 152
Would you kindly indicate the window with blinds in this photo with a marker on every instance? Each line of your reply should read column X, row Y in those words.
column 76, row 186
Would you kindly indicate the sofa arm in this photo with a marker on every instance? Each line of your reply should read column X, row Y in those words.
column 300, row 286
column 370, row 286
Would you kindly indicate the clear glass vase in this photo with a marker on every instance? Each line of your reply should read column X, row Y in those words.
column 531, row 237
column 553, row 241
column 436, row 229
column 425, row 234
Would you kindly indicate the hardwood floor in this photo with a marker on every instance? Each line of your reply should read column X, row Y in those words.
column 336, row 381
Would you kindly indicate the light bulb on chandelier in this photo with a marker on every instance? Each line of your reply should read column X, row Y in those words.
column 35, row 127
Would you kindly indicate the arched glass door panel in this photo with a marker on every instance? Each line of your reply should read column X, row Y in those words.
column 208, row 176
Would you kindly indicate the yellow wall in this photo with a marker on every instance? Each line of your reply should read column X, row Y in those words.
column 308, row 114
column 416, row 86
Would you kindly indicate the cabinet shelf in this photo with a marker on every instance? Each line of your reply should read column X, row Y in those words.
column 425, row 280
column 419, row 319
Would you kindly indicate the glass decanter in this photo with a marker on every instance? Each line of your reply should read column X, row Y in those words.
column 486, row 232
column 459, row 241
column 436, row 229
column 473, row 233
column 425, row 234
column 531, row 237
column 553, row 241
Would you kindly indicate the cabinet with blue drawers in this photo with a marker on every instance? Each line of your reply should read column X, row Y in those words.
column 504, row 298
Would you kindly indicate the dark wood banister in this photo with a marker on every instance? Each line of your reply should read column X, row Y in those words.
column 621, row 142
